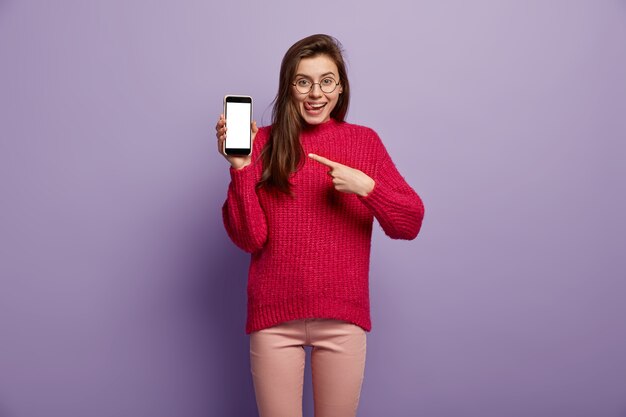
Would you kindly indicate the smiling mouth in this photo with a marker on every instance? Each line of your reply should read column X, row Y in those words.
column 314, row 106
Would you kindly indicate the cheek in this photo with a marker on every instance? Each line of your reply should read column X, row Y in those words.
column 296, row 98
column 296, row 102
column 296, row 108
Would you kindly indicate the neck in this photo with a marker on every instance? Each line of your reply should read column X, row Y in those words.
column 319, row 127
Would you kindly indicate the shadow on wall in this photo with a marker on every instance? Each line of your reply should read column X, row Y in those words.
column 3, row 411
column 225, row 301
column 220, row 272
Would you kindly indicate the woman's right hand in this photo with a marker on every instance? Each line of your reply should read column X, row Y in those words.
column 236, row 161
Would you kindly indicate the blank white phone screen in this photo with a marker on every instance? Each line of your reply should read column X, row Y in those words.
column 238, row 125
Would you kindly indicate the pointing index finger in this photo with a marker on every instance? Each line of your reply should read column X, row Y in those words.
column 323, row 160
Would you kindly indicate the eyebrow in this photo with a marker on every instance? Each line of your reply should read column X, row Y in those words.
column 323, row 75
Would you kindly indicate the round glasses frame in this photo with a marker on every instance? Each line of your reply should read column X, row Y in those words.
column 323, row 88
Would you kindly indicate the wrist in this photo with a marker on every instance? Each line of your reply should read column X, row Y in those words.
column 239, row 168
column 237, row 165
column 369, row 187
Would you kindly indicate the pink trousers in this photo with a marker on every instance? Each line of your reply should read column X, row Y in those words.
column 277, row 358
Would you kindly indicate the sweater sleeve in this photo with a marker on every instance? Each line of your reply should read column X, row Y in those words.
column 244, row 218
column 396, row 206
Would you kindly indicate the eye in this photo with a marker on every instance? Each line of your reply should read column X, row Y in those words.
column 303, row 82
column 328, row 82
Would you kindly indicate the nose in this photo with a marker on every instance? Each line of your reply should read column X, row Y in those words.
column 316, row 90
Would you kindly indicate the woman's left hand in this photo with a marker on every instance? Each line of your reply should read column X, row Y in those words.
column 346, row 179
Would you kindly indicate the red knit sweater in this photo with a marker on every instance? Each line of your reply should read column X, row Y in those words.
column 310, row 252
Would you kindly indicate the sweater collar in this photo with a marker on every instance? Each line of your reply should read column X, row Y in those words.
column 320, row 128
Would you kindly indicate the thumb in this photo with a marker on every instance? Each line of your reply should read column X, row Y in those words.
column 254, row 127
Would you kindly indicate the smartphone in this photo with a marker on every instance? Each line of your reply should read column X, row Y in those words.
column 238, row 114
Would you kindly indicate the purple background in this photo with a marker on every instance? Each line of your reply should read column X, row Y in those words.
column 121, row 294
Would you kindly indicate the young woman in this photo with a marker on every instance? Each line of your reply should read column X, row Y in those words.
column 303, row 205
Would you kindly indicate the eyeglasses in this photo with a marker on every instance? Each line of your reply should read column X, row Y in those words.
column 304, row 86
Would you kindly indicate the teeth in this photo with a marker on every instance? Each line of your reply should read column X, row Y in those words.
column 317, row 106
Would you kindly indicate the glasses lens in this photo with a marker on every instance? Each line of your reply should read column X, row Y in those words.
column 328, row 85
column 303, row 86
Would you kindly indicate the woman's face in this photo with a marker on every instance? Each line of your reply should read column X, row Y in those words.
column 319, row 72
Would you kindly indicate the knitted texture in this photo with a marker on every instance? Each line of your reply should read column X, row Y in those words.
column 310, row 253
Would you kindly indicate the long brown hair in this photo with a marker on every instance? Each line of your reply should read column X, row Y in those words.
column 283, row 153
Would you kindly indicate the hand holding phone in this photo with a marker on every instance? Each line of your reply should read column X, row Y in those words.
column 237, row 161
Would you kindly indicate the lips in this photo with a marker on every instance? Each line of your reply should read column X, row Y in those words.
column 314, row 107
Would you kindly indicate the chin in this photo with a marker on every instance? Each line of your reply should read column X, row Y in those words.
column 314, row 119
